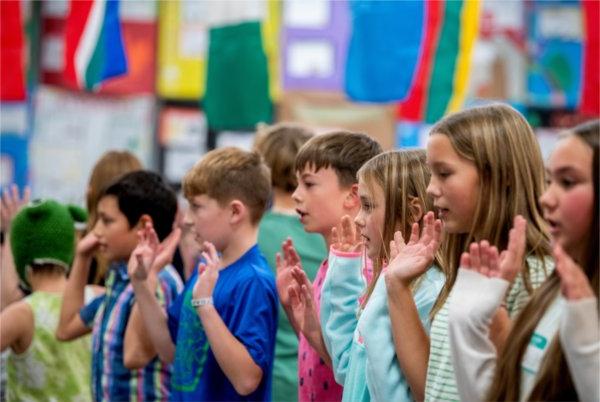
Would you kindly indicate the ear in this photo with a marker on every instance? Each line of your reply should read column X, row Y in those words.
column 352, row 200
column 238, row 211
column 416, row 209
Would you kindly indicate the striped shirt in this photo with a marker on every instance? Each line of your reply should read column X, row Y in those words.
column 108, row 315
column 441, row 382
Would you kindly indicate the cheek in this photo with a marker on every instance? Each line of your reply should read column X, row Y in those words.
column 577, row 211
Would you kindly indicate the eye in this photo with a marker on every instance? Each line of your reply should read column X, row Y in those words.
column 567, row 182
column 366, row 206
column 308, row 184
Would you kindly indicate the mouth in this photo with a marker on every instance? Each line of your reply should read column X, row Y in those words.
column 442, row 212
column 365, row 238
column 301, row 214
column 554, row 226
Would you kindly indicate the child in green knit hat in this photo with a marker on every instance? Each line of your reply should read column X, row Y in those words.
column 40, row 367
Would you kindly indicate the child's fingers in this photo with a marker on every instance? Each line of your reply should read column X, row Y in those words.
column 465, row 261
column 494, row 261
column 475, row 258
column 334, row 236
column 347, row 230
column 307, row 296
column 484, row 247
column 414, row 233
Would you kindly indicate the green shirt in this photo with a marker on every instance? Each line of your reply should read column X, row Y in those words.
column 274, row 229
column 49, row 369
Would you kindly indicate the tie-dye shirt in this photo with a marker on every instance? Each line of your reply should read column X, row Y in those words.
column 108, row 315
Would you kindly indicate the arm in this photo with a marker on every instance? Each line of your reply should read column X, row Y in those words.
column 70, row 324
column 473, row 302
column 409, row 261
column 579, row 332
column 9, row 281
column 339, row 304
column 147, row 333
column 16, row 327
column 231, row 354
column 10, row 205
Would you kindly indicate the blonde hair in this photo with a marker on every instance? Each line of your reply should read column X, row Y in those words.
column 506, row 154
column 343, row 151
column 554, row 381
column 230, row 173
column 111, row 166
column 402, row 175
column 279, row 144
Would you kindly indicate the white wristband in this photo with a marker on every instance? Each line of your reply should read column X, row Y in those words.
column 203, row 301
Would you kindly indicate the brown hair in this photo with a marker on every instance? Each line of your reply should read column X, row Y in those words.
column 110, row 167
column 402, row 175
column 230, row 173
column 279, row 145
column 505, row 152
column 345, row 152
column 554, row 381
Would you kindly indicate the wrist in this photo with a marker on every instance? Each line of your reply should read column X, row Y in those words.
column 201, row 302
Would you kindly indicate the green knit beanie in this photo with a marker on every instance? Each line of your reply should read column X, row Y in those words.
column 43, row 232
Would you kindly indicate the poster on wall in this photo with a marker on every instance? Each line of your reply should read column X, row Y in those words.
column 182, row 136
column 555, row 45
column 72, row 130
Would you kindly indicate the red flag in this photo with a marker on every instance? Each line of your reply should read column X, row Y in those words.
column 12, row 52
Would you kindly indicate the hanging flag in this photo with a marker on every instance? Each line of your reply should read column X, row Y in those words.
column 444, row 66
column 237, row 79
column 590, row 100
column 94, row 48
column 12, row 52
column 384, row 49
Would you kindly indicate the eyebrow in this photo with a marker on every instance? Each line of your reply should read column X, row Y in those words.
column 562, row 170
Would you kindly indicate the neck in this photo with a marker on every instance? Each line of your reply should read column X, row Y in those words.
column 241, row 242
column 283, row 202
column 48, row 283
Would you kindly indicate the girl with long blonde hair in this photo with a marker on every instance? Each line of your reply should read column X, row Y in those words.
column 486, row 167
column 554, row 352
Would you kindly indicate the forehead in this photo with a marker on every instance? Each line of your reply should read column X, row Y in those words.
column 108, row 204
column 571, row 152
column 440, row 147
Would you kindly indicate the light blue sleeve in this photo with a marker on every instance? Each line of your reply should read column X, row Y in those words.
column 341, row 290
column 385, row 381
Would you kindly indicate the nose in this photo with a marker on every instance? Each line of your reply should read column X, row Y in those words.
column 548, row 199
column 433, row 189
column 359, row 220
column 188, row 219
column 296, row 195
column 98, row 228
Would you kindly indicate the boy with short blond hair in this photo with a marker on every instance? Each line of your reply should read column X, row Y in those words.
column 326, row 168
column 220, row 332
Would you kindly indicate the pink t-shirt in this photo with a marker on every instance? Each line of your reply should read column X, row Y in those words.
column 315, row 378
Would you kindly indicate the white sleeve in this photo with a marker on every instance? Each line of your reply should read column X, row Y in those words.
column 474, row 300
column 580, row 340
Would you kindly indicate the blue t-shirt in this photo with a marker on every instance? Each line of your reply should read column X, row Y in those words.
column 245, row 297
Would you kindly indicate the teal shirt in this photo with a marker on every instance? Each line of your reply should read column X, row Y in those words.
column 360, row 342
column 273, row 230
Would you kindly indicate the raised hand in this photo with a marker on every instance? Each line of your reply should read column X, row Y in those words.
column 11, row 204
column 574, row 284
column 303, row 306
column 209, row 272
column 481, row 258
column 143, row 256
column 410, row 260
column 511, row 259
column 284, row 263
column 88, row 245
column 346, row 238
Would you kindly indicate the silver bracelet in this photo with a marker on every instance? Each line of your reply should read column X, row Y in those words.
column 203, row 301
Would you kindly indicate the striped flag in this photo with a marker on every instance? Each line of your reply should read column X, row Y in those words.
column 94, row 48
column 443, row 70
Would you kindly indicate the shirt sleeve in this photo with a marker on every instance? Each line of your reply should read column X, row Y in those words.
column 474, row 300
column 254, row 319
column 340, row 295
column 580, row 340
column 89, row 311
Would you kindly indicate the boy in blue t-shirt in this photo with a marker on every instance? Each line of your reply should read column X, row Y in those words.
column 220, row 332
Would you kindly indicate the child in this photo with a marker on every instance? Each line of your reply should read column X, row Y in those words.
column 279, row 145
column 392, row 188
column 486, row 167
column 554, row 352
column 111, row 166
column 123, row 208
column 326, row 167
column 40, row 367
column 220, row 332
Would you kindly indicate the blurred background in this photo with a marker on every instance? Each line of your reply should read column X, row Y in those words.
column 169, row 80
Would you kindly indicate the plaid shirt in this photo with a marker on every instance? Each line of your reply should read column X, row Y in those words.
column 109, row 314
